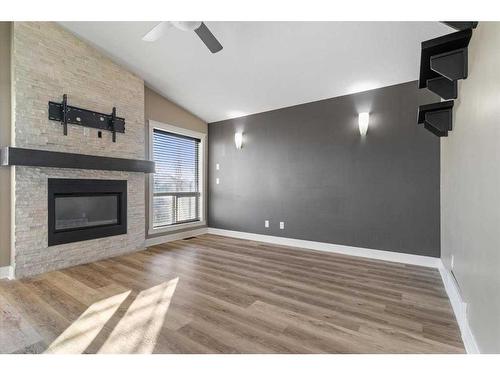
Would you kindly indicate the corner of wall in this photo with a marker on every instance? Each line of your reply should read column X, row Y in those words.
column 459, row 307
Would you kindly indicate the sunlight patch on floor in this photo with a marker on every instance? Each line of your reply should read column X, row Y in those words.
column 78, row 336
column 138, row 330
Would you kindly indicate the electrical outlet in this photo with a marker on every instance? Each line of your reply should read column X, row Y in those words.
column 217, row 166
column 217, row 181
column 266, row 223
column 282, row 225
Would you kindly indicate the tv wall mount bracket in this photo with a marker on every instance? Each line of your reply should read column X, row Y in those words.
column 67, row 114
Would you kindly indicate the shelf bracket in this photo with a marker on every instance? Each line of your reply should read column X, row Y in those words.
column 436, row 117
column 443, row 87
column 452, row 65
column 435, row 131
column 441, row 121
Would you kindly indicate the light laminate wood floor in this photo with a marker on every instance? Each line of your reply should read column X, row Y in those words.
column 213, row 294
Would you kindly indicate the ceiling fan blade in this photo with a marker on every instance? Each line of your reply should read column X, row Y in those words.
column 208, row 38
column 156, row 32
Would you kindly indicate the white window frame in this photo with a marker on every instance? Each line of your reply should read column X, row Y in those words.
column 202, row 172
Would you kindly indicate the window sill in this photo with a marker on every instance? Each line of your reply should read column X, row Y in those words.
column 176, row 227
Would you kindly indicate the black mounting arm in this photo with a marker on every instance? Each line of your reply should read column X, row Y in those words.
column 113, row 120
column 67, row 114
column 64, row 110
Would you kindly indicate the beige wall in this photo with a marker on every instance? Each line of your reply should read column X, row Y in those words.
column 160, row 109
column 157, row 108
column 470, row 188
column 5, row 125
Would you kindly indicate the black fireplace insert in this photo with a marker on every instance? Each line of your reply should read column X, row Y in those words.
column 82, row 209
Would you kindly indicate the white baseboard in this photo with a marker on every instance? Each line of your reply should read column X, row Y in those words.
column 390, row 256
column 7, row 272
column 175, row 236
column 460, row 310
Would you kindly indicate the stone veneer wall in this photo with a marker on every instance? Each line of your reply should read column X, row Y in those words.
column 49, row 61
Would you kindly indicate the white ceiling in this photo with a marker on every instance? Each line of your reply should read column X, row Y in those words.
column 264, row 65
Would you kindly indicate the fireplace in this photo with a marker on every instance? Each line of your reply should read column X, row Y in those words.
column 82, row 209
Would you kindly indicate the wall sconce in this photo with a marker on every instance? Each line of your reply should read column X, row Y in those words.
column 238, row 139
column 363, row 119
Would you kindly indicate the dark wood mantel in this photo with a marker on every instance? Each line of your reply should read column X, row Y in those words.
column 52, row 159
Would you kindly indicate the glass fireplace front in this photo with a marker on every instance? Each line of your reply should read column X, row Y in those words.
column 85, row 209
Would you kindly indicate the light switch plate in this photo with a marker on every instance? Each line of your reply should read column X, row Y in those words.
column 266, row 223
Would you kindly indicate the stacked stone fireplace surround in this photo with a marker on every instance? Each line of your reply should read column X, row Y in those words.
column 47, row 62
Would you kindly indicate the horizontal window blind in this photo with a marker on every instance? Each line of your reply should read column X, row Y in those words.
column 176, row 182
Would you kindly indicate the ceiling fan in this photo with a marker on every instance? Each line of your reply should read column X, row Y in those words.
column 198, row 27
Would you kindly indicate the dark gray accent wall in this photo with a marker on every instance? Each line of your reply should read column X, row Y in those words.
column 308, row 166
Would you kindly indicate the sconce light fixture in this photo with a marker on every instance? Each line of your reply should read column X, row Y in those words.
column 238, row 139
column 363, row 119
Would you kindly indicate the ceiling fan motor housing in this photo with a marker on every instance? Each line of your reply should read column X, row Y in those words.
column 186, row 25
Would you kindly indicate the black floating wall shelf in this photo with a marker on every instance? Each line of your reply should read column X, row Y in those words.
column 436, row 117
column 442, row 50
column 461, row 25
column 52, row 159
column 443, row 61
column 67, row 114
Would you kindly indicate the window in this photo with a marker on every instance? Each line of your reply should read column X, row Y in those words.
column 176, row 186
